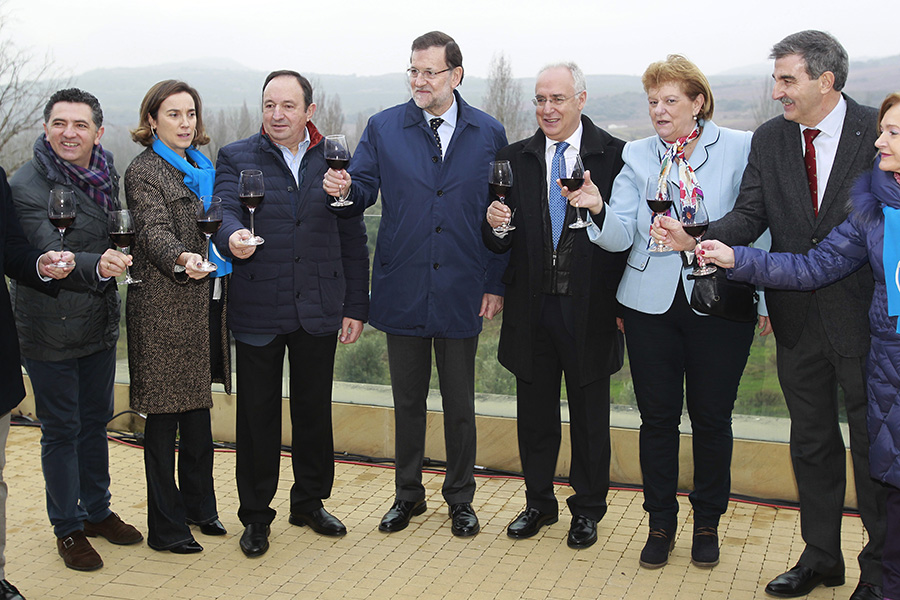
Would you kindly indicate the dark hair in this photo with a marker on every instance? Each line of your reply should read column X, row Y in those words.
column 821, row 51
column 305, row 85
column 75, row 96
column 888, row 104
column 439, row 39
column 678, row 69
column 153, row 99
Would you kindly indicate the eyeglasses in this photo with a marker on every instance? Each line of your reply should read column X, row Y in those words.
column 428, row 75
column 554, row 100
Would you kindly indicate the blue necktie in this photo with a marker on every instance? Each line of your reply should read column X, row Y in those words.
column 554, row 195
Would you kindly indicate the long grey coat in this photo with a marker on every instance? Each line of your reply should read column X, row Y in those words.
column 167, row 314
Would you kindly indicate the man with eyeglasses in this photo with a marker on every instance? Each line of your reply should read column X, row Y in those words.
column 560, row 307
column 432, row 279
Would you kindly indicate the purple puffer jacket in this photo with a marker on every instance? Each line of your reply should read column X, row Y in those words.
column 858, row 239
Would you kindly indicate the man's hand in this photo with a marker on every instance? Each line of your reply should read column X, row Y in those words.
column 491, row 304
column 350, row 330
column 238, row 249
column 336, row 182
column 587, row 196
column 47, row 264
column 764, row 325
column 112, row 263
column 669, row 231
column 498, row 214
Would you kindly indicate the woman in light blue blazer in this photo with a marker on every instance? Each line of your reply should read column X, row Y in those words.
column 662, row 332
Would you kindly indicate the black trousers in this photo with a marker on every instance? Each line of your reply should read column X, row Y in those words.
column 538, row 421
column 678, row 355
column 171, row 507
column 810, row 373
column 259, row 389
column 409, row 360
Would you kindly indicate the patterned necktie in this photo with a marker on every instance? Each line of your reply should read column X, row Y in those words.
column 435, row 123
column 810, row 159
column 554, row 197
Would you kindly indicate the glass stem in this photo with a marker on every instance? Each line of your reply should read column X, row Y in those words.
column 62, row 233
column 206, row 253
column 127, row 268
column 252, row 230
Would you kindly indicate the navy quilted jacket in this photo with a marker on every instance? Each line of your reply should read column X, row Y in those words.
column 849, row 246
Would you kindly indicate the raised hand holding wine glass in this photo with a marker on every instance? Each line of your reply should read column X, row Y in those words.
column 121, row 232
column 209, row 219
column 337, row 155
column 500, row 181
column 660, row 201
column 61, row 211
column 695, row 220
column 572, row 178
column 251, row 191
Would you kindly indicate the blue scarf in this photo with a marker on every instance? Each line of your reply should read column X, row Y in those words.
column 886, row 188
column 199, row 180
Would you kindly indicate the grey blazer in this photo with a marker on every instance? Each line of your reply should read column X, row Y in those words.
column 774, row 194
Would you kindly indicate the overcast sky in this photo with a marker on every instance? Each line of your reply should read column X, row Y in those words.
column 372, row 37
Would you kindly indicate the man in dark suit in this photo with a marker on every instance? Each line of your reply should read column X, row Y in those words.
column 798, row 178
column 302, row 290
column 560, row 307
column 26, row 264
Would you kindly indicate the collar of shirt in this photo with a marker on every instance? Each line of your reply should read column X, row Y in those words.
column 293, row 160
column 826, row 144
column 574, row 148
column 446, row 128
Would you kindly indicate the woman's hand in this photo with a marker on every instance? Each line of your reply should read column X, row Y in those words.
column 587, row 196
column 714, row 251
column 189, row 261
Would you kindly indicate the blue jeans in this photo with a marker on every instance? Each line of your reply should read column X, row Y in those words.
column 74, row 401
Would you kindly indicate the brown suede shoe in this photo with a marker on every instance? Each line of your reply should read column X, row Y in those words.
column 113, row 529
column 77, row 552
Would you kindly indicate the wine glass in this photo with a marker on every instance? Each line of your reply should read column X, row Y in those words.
column 337, row 155
column 209, row 219
column 500, row 181
column 572, row 177
column 659, row 201
column 121, row 232
column 695, row 221
column 251, row 190
column 61, row 210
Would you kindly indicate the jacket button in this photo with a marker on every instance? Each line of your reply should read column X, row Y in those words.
column 434, row 159
column 299, row 222
column 440, row 193
column 814, row 241
column 290, row 188
column 296, row 259
column 299, row 295
column 438, row 229
column 437, row 266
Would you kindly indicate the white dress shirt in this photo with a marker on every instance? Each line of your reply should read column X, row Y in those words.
column 446, row 129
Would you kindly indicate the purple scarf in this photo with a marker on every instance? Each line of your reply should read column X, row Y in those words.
column 93, row 181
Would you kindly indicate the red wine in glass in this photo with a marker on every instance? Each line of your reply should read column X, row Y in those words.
column 696, row 231
column 62, row 222
column 61, row 212
column 251, row 190
column 121, row 233
column 500, row 190
column 209, row 219
column 500, row 180
column 209, row 226
column 695, row 221
column 338, row 164
column 659, row 201
column 337, row 156
column 573, row 178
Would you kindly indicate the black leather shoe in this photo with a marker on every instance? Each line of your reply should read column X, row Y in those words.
column 657, row 548
column 529, row 522
column 213, row 528
column 864, row 591
column 465, row 523
column 705, row 547
column 191, row 547
column 582, row 532
column 398, row 517
column 320, row 521
column 800, row 581
column 9, row 592
column 255, row 540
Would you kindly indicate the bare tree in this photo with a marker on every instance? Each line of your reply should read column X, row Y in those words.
column 227, row 125
column 504, row 98
column 765, row 108
column 26, row 82
column 329, row 117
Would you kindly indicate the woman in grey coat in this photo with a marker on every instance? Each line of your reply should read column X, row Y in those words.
column 177, row 345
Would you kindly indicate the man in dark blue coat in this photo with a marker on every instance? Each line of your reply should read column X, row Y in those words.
column 306, row 282
column 26, row 264
column 432, row 278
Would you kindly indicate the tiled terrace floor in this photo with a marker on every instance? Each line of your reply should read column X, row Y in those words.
column 424, row 561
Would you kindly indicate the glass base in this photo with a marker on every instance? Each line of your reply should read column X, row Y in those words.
column 253, row 241
column 706, row 270
column 338, row 202
column 206, row 266
column 505, row 228
column 130, row 281
column 579, row 224
column 654, row 247
column 63, row 264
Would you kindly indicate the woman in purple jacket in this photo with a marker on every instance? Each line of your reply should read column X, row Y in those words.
column 870, row 234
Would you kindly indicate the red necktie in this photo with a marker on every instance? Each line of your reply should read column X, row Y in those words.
column 810, row 159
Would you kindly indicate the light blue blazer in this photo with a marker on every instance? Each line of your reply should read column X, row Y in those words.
column 651, row 279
